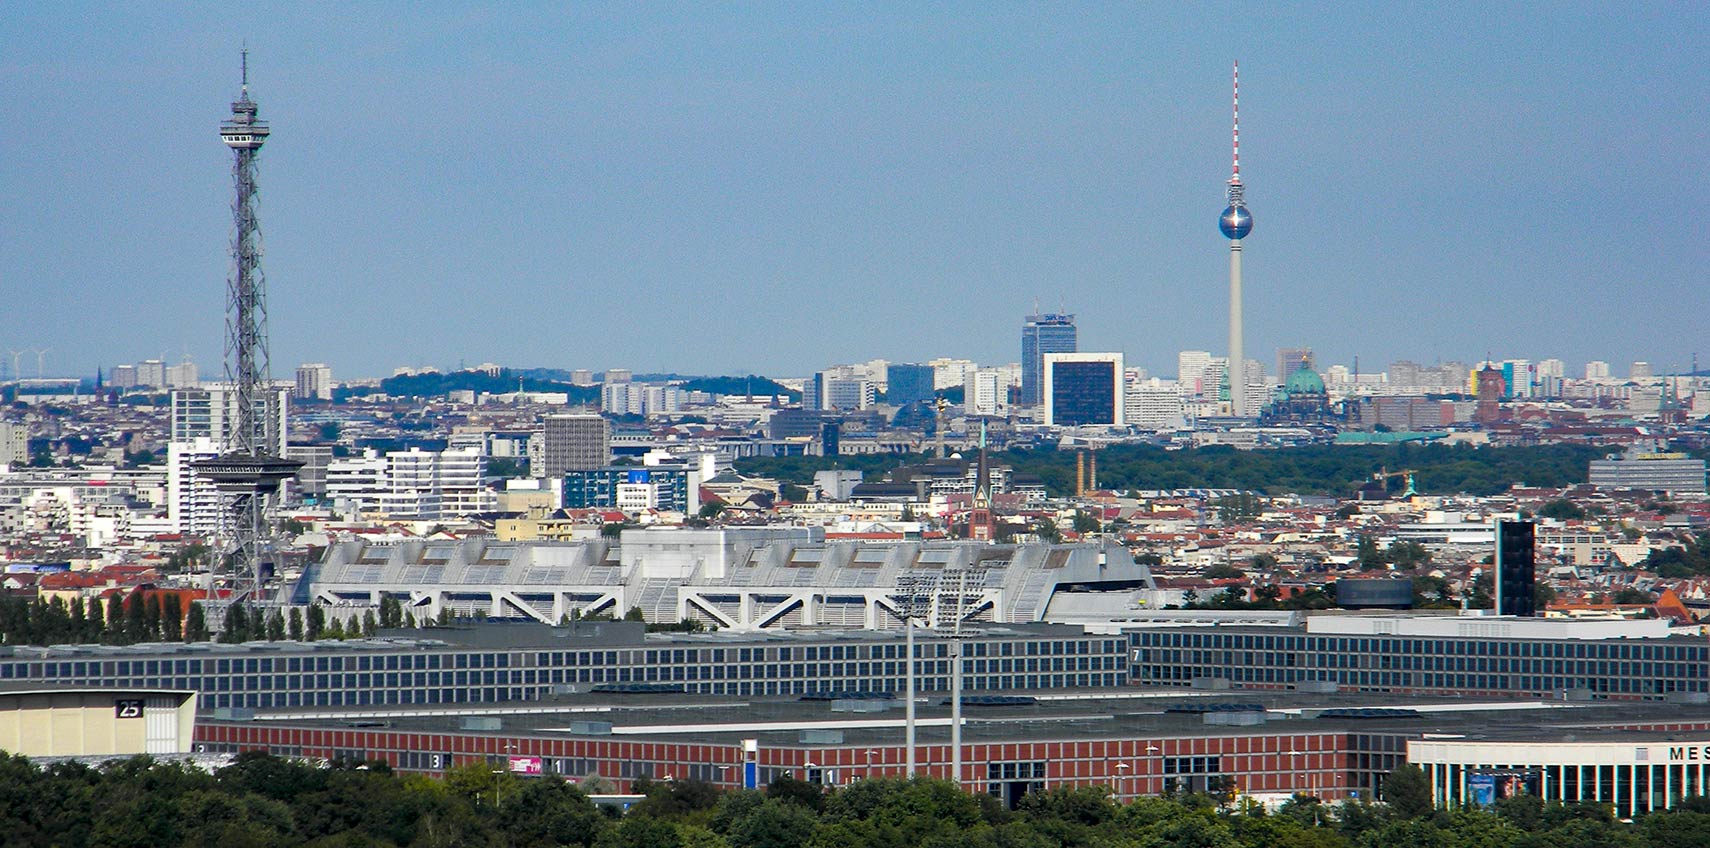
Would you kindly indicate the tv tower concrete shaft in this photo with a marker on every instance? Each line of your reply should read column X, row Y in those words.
column 1235, row 223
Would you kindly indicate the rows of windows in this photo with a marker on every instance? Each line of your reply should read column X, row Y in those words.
column 1609, row 667
column 1669, row 650
column 271, row 682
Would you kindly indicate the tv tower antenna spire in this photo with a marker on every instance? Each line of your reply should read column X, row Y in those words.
column 1236, row 223
column 249, row 467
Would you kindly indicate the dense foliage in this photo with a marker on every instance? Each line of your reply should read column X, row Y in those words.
column 1317, row 469
column 434, row 384
column 262, row 801
column 752, row 384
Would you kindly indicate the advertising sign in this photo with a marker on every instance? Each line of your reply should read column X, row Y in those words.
column 1487, row 787
column 526, row 765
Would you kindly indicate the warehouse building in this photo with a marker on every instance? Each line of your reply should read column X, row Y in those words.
column 73, row 721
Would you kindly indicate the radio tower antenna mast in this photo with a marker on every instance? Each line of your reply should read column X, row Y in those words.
column 1236, row 223
column 249, row 467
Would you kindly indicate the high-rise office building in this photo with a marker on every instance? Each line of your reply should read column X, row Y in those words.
column 574, row 443
column 151, row 372
column 1291, row 359
column 987, row 393
column 211, row 412
column 314, row 381
column 1042, row 334
column 122, row 377
column 1640, row 370
column 908, row 383
column 1516, row 568
column 184, row 375
column 845, row 387
column 1597, row 369
column 1083, row 389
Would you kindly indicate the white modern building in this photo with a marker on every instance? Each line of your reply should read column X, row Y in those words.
column 1083, row 389
column 412, row 484
column 735, row 578
column 1153, row 404
column 1648, row 768
column 314, row 381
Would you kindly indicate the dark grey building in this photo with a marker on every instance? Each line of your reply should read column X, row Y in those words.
column 527, row 662
column 1083, row 389
column 1042, row 334
column 909, row 383
column 574, row 443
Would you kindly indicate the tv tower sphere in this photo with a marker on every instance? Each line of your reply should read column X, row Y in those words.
column 1235, row 222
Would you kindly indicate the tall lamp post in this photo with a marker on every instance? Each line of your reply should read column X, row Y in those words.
column 1122, row 769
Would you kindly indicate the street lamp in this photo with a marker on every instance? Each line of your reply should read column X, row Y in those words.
column 871, row 752
column 499, row 776
column 1153, row 751
column 1122, row 769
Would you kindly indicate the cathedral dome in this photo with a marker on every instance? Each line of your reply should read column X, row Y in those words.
column 1303, row 382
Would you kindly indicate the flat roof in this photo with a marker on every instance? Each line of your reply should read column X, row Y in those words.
column 1058, row 714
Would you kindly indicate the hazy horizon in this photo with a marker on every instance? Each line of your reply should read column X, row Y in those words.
column 773, row 189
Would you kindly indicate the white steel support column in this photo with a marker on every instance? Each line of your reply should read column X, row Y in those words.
column 956, row 711
column 908, row 704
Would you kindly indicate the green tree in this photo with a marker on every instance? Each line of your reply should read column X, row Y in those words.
column 1408, row 792
column 196, row 624
column 1086, row 522
column 275, row 626
column 1371, row 559
column 317, row 623
column 294, row 625
column 235, row 628
column 773, row 824
column 115, row 619
column 136, row 618
column 97, row 623
column 172, row 617
column 151, row 617
column 1046, row 529
column 1561, row 509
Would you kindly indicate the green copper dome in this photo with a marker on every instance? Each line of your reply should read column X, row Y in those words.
column 1304, row 381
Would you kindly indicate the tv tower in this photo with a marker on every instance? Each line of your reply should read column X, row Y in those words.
column 1236, row 223
column 248, row 467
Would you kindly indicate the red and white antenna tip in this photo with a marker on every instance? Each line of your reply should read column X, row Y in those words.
column 1235, row 178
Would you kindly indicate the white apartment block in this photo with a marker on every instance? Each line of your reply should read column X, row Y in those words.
column 949, row 373
column 413, row 484
column 14, row 444
column 314, row 381
column 1153, row 404
column 193, row 505
column 184, row 375
column 640, row 398
column 211, row 411
column 987, row 393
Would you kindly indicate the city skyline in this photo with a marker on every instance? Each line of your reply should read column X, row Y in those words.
column 732, row 171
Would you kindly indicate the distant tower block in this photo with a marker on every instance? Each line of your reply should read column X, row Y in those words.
column 1236, row 223
column 248, row 466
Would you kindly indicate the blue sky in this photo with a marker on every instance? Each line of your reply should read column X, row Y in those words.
column 726, row 188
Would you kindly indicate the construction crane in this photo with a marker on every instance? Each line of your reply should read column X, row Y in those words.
column 1384, row 475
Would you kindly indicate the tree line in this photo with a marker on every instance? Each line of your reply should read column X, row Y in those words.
column 147, row 615
column 261, row 801
column 1336, row 470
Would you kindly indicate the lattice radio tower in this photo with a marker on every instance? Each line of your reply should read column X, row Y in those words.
column 249, row 467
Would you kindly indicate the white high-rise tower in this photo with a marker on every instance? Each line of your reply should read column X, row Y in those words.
column 1236, row 223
